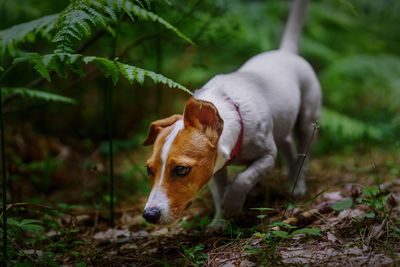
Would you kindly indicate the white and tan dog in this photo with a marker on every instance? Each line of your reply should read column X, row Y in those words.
column 238, row 118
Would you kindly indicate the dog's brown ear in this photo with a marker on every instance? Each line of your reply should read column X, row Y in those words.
column 157, row 126
column 204, row 116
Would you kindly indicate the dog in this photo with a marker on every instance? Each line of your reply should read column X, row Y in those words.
column 236, row 118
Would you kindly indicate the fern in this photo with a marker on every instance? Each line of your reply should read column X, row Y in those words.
column 338, row 124
column 27, row 32
column 59, row 62
column 367, row 81
column 36, row 94
column 37, row 60
column 77, row 22
column 113, row 69
column 79, row 19
column 133, row 11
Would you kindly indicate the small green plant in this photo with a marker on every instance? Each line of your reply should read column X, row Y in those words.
column 37, row 236
column 198, row 223
column 195, row 255
column 262, row 217
column 343, row 204
column 289, row 231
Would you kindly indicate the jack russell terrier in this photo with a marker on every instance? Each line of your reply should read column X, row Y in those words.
column 236, row 118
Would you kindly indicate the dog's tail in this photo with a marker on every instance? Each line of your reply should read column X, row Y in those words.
column 294, row 26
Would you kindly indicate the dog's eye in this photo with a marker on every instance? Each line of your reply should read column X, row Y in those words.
column 181, row 171
column 149, row 172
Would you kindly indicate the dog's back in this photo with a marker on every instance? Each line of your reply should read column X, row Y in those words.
column 278, row 83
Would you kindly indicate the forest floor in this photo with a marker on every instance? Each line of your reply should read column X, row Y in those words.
column 350, row 217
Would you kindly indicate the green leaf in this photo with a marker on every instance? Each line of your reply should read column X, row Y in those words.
column 262, row 209
column 36, row 94
column 307, row 231
column 339, row 124
column 78, row 21
column 282, row 224
column 27, row 225
column 27, row 31
column 108, row 67
column 342, row 204
column 37, row 61
column 370, row 215
column 134, row 10
column 260, row 235
column 281, row 234
column 261, row 216
column 131, row 73
column 31, row 226
column 370, row 191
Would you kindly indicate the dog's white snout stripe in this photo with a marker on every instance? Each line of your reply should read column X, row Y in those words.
column 158, row 196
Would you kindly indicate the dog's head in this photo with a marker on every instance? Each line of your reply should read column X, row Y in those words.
column 183, row 159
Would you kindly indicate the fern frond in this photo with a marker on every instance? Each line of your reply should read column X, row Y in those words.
column 78, row 21
column 114, row 69
column 108, row 67
column 36, row 94
column 60, row 62
column 133, row 10
column 27, row 32
column 338, row 124
column 38, row 63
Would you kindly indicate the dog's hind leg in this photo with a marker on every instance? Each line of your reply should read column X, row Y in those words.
column 297, row 185
column 309, row 115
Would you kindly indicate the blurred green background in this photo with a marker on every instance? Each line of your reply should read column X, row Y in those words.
column 353, row 46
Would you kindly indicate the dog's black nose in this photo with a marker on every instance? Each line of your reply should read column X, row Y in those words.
column 152, row 215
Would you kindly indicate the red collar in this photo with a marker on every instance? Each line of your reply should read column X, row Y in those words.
column 239, row 141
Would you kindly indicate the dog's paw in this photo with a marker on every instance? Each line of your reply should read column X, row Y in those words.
column 300, row 189
column 216, row 227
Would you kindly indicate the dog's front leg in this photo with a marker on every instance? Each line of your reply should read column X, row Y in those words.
column 217, row 186
column 235, row 193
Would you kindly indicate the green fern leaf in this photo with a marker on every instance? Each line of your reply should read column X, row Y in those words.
column 78, row 21
column 28, row 31
column 349, row 128
column 60, row 62
column 132, row 73
column 36, row 94
column 108, row 67
column 113, row 69
column 133, row 10
column 38, row 63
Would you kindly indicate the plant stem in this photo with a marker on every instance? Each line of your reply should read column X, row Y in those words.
column 110, row 148
column 304, row 156
column 159, row 61
column 4, row 169
column 109, row 110
column 4, row 185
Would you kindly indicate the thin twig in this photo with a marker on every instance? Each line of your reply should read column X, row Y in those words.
column 4, row 185
column 304, row 156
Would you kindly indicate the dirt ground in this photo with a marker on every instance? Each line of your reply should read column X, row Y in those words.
column 365, row 234
column 346, row 219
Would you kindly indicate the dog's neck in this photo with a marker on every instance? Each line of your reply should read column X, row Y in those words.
column 232, row 134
